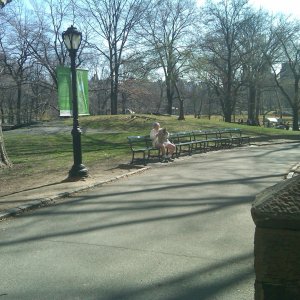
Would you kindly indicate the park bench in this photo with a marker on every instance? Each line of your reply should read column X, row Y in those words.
column 188, row 142
column 235, row 135
column 199, row 140
column 219, row 138
column 142, row 144
column 183, row 142
column 215, row 141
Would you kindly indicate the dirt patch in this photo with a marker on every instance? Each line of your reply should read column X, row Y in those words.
column 17, row 191
column 100, row 172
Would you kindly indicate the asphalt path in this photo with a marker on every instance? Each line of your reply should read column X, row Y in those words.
column 178, row 231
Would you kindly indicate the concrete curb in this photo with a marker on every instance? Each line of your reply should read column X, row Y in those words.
column 51, row 200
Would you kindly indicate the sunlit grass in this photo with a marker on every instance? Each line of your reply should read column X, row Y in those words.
column 104, row 138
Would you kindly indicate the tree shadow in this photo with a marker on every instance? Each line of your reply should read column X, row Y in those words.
column 199, row 207
column 190, row 285
column 38, row 187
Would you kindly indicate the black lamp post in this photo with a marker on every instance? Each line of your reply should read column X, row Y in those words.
column 72, row 40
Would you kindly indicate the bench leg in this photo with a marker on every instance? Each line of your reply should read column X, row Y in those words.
column 132, row 158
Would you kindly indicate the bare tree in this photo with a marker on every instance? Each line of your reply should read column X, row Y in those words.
column 167, row 31
column 47, row 47
column 111, row 22
column 286, row 43
column 4, row 159
column 45, row 41
column 222, row 49
column 256, row 41
column 16, row 58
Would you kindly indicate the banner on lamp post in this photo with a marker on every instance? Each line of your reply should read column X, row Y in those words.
column 65, row 91
column 82, row 92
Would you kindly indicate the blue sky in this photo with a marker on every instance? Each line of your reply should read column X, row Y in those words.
column 289, row 7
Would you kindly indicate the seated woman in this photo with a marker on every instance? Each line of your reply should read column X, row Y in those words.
column 159, row 137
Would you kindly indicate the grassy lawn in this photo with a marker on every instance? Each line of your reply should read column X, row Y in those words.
column 104, row 138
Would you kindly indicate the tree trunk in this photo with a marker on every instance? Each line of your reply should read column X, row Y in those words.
column 114, row 97
column 170, row 95
column 124, row 101
column 227, row 118
column 251, row 103
column 200, row 109
column 227, row 109
column 1, row 114
column 181, row 106
column 4, row 160
column 114, row 85
column 19, row 103
column 296, row 105
column 181, row 110
column 226, row 100
column 295, row 118
column 257, row 107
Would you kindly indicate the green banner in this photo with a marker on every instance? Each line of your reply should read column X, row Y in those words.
column 82, row 92
column 65, row 91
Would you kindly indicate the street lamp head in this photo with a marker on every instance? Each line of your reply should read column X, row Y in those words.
column 72, row 38
column 4, row 2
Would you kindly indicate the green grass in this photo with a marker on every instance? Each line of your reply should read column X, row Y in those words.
column 106, row 139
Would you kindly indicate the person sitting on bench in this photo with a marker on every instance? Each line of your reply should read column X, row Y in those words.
column 159, row 137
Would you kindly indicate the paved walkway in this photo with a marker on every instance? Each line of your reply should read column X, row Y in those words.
column 16, row 203
column 175, row 232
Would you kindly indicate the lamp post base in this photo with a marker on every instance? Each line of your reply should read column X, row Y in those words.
column 78, row 171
